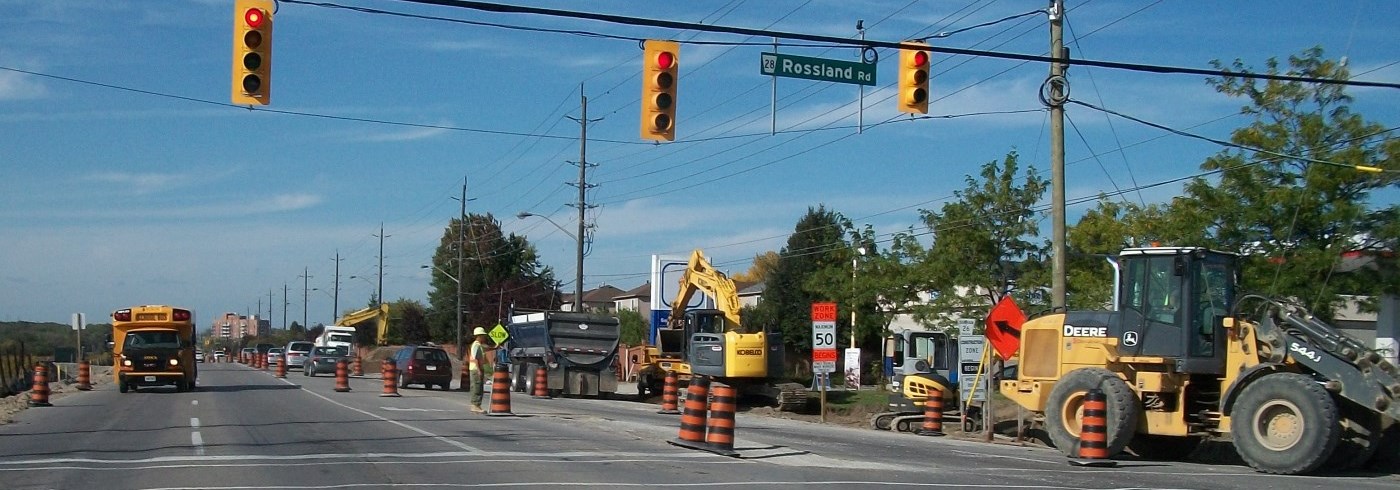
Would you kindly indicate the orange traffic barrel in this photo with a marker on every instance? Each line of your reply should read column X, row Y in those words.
column 692, row 433
column 355, row 369
column 541, row 383
column 670, row 398
column 933, row 414
column 500, row 393
column 1093, row 431
column 720, row 427
column 342, row 378
column 39, row 394
column 282, row 368
column 389, row 372
column 84, row 376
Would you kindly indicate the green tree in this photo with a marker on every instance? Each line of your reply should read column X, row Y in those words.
column 633, row 326
column 979, row 242
column 785, row 307
column 763, row 265
column 408, row 322
column 497, row 271
column 1294, row 200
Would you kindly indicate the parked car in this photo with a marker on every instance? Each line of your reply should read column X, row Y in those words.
column 274, row 356
column 198, row 355
column 247, row 353
column 322, row 360
column 426, row 364
column 295, row 353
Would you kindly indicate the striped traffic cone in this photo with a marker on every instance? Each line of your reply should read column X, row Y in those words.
column 720, row 427
column 1093, row 432
column 692, row 432
column 670, row 400
column 541, row 383
column 342, row 378
column 500, row 394
column 389, row 372
column 84, row 376
column 39, row 394
column 933, row 414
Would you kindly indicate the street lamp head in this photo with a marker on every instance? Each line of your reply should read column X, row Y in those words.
column 861, row 250
column 524, row 214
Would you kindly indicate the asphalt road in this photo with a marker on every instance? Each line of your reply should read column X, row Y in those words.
column 246, row 429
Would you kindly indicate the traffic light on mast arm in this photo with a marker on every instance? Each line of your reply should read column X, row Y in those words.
column 252, row 52
column 659, row 79
column 913, row 79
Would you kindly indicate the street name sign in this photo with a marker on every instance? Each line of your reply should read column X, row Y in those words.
column 821, row 69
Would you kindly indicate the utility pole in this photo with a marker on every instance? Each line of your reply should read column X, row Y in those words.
column 305, row 290
column 582, row 204
column 1057, row 85
column 285, row 304
column 335, row 297
column 379, row 296
column 271, row 309
column 461, row 243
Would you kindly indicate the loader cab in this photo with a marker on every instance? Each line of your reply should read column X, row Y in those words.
column 1171, row 302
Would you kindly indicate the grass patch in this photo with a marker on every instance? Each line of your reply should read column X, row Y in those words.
column 851, row 402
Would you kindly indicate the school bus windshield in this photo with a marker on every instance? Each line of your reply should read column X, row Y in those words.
column 142, row 339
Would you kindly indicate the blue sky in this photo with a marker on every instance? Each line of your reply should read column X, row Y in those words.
column 111, row 198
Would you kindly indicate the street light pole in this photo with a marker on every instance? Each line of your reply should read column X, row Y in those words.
column 578, row 278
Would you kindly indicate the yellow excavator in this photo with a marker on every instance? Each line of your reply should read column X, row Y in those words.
column 714, row 342
column 1180, row 358
column 380, row 315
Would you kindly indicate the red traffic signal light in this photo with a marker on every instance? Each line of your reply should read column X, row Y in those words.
column 913, row 79
column 660, row 74
column 252, row 52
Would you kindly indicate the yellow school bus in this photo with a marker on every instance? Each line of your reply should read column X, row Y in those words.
column 153, row 345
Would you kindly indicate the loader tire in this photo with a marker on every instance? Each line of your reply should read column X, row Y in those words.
column 1064, row 415
column 1285, row 424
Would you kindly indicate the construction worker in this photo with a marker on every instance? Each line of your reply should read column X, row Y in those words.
column 476, row 365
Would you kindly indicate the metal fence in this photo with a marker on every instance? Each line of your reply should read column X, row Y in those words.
column 16, row 369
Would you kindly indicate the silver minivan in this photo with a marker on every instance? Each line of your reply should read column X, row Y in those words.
column 296, row 353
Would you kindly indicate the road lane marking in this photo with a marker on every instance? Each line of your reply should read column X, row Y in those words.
column 194, row 422
column 397, row 409
column 444, row 440
column 194, row 402
column 198, row 442
column 358, row 458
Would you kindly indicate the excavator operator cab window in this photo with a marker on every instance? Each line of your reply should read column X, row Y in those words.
column 1212, row 292
column 896, row 351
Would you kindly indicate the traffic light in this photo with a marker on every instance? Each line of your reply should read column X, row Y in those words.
column 913, row 79
column 252, row 52
column 659, row 80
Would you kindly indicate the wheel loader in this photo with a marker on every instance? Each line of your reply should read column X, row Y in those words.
column 1181, row 358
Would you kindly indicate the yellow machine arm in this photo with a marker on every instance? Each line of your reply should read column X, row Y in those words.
column 380, row 315
column 701, row 276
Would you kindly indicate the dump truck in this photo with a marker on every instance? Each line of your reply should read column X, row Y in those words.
column 153, row 345
column 1183, row 356
column 577, row 350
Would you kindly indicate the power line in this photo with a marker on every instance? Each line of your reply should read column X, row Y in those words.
column 839, row 41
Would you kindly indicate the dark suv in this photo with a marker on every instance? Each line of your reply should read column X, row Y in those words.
column 427, row 365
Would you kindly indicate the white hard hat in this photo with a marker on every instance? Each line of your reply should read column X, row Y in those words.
column 479, row 331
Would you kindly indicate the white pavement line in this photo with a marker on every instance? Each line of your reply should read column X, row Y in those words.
column 194, row 402
column 198, row 442
column 784, row 483
column 474, row 457
column 471, row 460
column 194, row 422
column 442, row 439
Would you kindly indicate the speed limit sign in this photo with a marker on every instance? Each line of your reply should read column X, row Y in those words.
column 824, row 337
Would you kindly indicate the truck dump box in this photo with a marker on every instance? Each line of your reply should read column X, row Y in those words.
column 579, row 351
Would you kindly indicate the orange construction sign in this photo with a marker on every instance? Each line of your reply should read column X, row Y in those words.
column 1004, row 327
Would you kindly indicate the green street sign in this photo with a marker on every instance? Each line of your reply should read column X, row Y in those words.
column 789, row 66
column 498, row 334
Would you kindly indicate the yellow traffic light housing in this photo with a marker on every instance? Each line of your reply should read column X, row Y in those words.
column 659, row 79
column 913, row 79
column 252, row 52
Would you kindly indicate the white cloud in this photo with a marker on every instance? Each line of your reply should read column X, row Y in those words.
column 409, row 134
column 142, row 184
column 19, row 86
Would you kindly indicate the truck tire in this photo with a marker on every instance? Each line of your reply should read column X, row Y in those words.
column 1064, row 414
column 122, row 385
column 1285, row 424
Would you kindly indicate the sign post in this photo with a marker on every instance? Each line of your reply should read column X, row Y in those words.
column 79, row 321
column 823, row 346
column 970, row 354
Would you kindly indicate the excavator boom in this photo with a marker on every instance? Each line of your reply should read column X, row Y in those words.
column 380, row 315
column 700, row 276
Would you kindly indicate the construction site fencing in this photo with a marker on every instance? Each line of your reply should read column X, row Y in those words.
column 16, row 368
